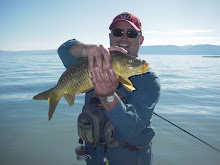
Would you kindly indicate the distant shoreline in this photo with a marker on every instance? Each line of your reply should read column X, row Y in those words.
column 147, row 50
column 212, row 56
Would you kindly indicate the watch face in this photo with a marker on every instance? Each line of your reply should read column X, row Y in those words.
column 110, row 99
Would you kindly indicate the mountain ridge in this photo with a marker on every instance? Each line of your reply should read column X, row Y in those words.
column 204, row 49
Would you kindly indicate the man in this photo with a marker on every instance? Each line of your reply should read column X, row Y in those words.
column 131, row 120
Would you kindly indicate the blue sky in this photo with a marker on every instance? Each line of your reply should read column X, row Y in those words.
column 46, row 24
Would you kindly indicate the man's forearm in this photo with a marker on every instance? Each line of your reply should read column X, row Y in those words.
column 76, row 50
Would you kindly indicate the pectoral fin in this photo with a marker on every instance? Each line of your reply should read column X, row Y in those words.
column 127, row 84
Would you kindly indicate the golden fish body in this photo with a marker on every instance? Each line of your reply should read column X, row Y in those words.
column 77, row 79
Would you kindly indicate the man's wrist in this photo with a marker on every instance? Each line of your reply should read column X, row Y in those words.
column 108, row 99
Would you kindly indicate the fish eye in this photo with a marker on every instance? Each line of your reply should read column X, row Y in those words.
column 130, row 61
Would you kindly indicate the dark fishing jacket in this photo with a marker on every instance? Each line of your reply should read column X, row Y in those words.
column 131, row 121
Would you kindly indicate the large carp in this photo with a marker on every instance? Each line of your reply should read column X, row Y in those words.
column 77, row 79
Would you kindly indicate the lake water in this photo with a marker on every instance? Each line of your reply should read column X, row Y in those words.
column 190, row 98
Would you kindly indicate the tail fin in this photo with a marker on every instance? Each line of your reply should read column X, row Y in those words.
column 53, row 100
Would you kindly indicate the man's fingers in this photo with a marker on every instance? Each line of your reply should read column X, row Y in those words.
column 98, row 82
column 107, row 79
column 95, row 53
column 98, row 75
column 95, row 81
column 114, row 79
column 106, row 56
column 104, row 83
column 91, row 62
column 98, row 58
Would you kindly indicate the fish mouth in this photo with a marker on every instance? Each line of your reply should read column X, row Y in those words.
column 144, row 67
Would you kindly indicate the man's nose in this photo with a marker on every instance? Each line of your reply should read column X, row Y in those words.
column 124, row 35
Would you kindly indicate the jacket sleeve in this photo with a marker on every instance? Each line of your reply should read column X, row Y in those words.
column 64, row 53
column 133, row 119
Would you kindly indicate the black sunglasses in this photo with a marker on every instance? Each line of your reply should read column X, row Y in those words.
column 130, row 33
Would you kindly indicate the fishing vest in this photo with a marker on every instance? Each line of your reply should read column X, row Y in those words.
column 95, row 127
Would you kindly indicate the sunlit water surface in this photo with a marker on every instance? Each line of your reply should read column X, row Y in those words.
column 190, row 98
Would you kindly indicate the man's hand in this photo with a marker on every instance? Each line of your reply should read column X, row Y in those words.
column 104, row 78
column 106, row 85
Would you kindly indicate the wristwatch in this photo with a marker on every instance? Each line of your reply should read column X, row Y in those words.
column 108, row 99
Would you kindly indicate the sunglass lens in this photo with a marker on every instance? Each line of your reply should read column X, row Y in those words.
column 132, row 33
column 117, row 32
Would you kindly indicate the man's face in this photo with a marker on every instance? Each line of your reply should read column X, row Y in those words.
column 130, row 44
